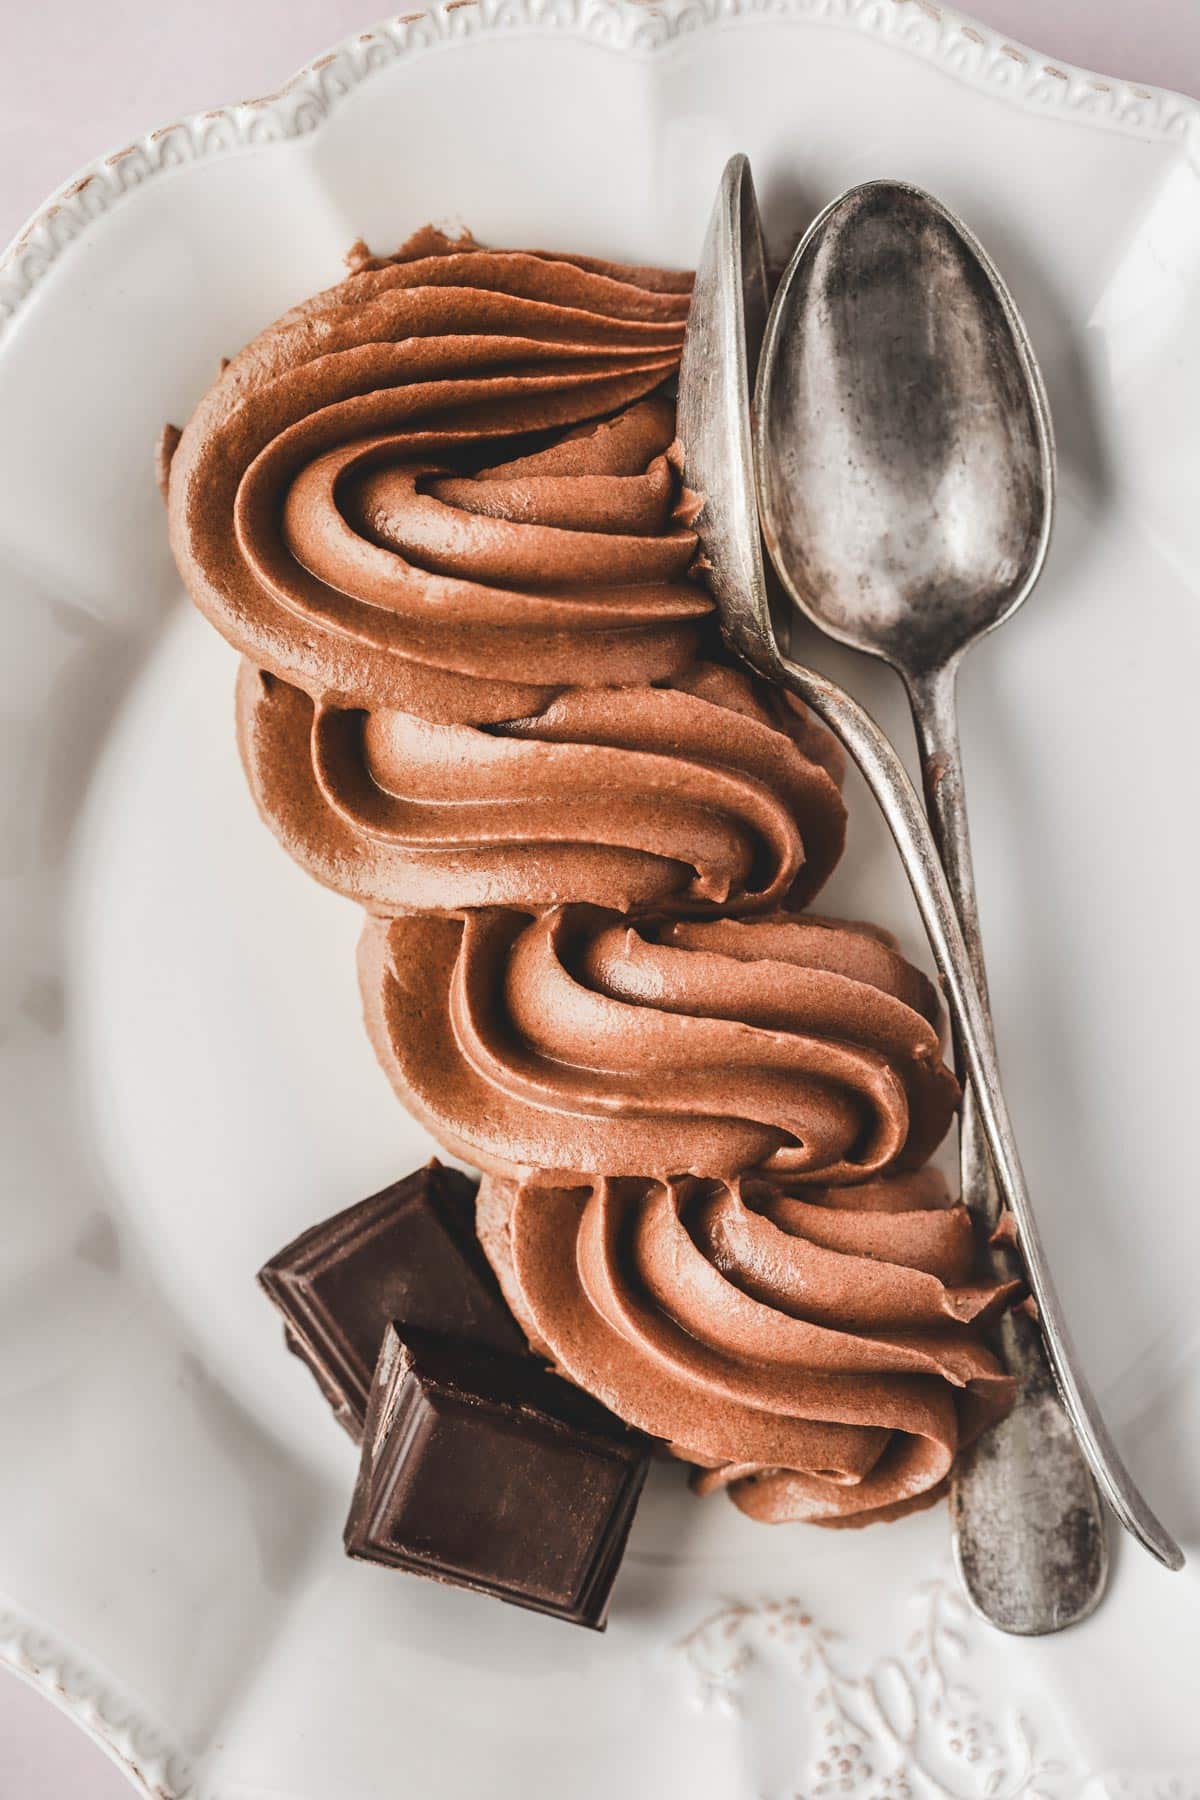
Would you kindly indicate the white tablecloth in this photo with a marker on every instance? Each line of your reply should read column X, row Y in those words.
column 77, row 79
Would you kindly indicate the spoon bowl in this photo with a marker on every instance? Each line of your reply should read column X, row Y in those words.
column 905, row 452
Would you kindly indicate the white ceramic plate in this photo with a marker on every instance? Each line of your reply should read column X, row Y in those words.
column 185, row 1082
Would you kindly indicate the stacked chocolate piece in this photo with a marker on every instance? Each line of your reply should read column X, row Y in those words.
column 438, row 510
column 478, row 1466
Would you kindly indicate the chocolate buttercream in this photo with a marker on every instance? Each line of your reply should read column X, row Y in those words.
column 472, row 676
column 705, row 792
column 816, row 1351
column 325, row 518
column 573, row 1040
column 438, row 510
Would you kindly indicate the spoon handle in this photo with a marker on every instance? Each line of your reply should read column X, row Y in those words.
column 1028, row 1525
column 888, row 780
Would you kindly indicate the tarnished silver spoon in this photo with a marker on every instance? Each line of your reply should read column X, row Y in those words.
column 905, row 470
column 725, row 330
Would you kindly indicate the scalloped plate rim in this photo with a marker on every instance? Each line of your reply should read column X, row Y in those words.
column 659, row 26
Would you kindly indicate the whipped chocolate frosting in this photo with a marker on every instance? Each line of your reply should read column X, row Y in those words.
column 705, row 792
column 327, row 513
column 816, row 1351
column 438, row 510
column 472, row 675
column 575, row 1040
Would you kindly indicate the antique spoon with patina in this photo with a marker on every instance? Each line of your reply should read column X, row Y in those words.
column 726, row 327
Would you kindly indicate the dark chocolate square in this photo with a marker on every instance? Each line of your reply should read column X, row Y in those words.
column 493, row 1474
column 409, row 1253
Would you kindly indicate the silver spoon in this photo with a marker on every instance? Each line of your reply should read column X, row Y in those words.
column 725, row 329
column 906, row 469
column 905, row 466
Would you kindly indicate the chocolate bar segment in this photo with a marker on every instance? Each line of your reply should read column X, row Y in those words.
column 491, row 1473
column 409, row 1253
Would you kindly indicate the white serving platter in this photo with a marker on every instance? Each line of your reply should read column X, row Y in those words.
column 184, row 1082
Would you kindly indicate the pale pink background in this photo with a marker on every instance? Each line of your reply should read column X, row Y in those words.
column 77, row 79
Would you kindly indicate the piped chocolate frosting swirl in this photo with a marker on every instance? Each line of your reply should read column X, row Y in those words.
column 818, row 1352
column 575, row 1040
